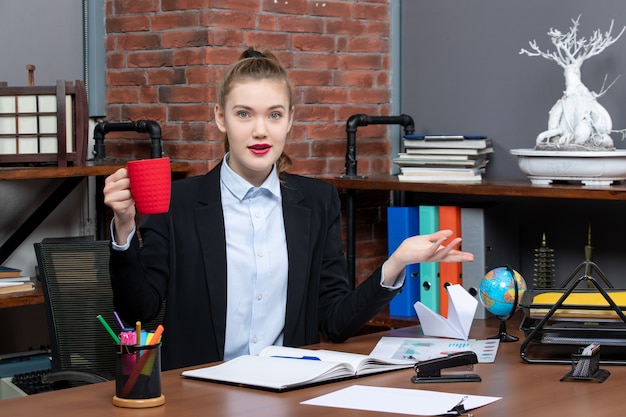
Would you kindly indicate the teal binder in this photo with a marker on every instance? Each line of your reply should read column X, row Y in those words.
column 429, row 271
column 403, row 222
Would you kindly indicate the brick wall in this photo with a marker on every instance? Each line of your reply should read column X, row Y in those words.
column 165, row 57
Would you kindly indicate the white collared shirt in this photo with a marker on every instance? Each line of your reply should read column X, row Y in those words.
column 256, row 257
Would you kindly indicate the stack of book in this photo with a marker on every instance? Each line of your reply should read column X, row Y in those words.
column 444, row 158
column 12, row 281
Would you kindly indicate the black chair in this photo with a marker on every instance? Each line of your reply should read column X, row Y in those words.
column 75, row 279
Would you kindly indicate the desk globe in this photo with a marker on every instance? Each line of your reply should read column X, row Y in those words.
column 500, row 291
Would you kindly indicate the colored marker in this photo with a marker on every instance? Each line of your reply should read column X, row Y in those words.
column 108, row 329
column 138, row 332
column 118, row 320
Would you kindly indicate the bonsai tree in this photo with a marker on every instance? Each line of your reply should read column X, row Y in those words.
column 576, row 121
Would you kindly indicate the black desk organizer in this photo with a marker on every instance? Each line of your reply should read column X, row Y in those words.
column 586, row 368
column 555, row 341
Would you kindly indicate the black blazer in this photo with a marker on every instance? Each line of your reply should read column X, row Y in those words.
column 183, row 261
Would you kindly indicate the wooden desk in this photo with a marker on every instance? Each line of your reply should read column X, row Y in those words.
column 525, row 390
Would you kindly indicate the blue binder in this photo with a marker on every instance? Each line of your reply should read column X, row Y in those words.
column 429, row 271
column 403, row 222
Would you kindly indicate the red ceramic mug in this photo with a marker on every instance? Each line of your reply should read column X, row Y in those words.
column 150, row 184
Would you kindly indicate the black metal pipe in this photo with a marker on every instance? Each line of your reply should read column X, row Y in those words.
column 353, row 123
column 141, row 126
column 357, row 120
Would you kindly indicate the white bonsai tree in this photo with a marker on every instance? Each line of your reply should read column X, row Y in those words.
column 576, row 121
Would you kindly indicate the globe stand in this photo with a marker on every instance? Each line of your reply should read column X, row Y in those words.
column 502, row 334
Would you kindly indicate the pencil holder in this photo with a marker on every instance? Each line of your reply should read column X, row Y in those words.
column 138, row 376
column 586, row 368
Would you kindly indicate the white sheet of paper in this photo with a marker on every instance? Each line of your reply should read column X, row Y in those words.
column 413, row 402
column 461, row 310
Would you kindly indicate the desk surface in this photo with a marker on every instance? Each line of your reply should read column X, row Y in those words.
column 526, row 389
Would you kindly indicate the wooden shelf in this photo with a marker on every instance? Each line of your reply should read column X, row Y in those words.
column 499, row 188
column 90, row 169
column 22, row 298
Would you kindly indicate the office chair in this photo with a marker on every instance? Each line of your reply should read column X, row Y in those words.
column 76, row 284
column 75, row 279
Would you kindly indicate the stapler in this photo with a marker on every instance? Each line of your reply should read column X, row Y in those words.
column 430, row 370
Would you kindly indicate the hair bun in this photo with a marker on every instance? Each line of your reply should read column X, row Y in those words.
column 254, row 54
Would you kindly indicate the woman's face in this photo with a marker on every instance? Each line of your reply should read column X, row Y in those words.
column 256, row 118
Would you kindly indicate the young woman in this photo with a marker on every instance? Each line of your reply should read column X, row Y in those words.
column 249, row 255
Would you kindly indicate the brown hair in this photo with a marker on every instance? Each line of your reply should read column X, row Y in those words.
column 256, row 64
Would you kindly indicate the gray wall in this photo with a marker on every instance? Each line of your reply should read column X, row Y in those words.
column 462, row 71
column 47, row 34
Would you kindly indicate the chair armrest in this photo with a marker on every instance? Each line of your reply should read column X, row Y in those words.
column 80, row 376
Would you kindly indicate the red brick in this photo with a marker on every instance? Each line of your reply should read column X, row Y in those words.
column 346, row 27
column 181, row 94
column 201, row 75
column 140, row 41
column 267, row 22
column 317, row 114
column 185, row 39
column 156, row 113
column 331, row 130
column 286, row 7
column 227, row 19
column 299, row 24
column 331, row 8
column 373, row 95
column 316, row 60
column 368, row 44
column 122, row 95
column 189, row 113
column 165, row 21
column 313, row 42
column 170, row 5
column 150, row 59
column 149, row 95
column 121, row 24
column 125, row 78
column 298, row 149
column 378, row 28
column 186, row 57
column 272, row 41
column 306, row 77
column 355, row 78
column 323, row 95
column 369, row 62
column 371, row 11
column 166, row 76
column 194, row 131
column 135, row 6
column 116, row 60
column 226, row 37
column 249, row 5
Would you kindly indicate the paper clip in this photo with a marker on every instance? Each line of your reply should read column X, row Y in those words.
column 459, row 409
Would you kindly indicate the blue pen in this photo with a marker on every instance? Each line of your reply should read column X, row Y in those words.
column 309, row 358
